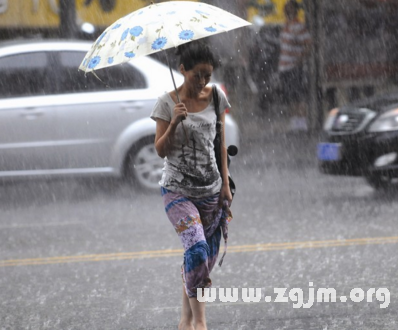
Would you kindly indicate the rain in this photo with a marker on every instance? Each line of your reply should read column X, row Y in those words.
column 85, row 242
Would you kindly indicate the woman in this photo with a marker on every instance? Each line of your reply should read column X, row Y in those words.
column 196, row 196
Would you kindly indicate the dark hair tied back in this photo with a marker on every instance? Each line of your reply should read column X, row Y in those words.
column 195, row 52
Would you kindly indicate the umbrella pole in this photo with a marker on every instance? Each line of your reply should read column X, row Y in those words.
column 178, row 97
column 172, row 76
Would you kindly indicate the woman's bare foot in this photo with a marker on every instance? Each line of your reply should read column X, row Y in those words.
column 185, row 326
column 186, row 322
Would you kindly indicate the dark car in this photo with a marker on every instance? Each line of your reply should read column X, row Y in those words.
column 361, row 139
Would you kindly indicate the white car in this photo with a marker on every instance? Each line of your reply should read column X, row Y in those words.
column 55, row 121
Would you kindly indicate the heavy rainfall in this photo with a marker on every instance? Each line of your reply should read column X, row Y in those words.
column 85, row 242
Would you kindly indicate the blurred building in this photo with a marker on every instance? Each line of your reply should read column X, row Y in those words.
column 355, row 49
column 358, row 47
column 21, row 18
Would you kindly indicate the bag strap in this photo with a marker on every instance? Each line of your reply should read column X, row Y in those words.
column 216, row 102
column 217, row 140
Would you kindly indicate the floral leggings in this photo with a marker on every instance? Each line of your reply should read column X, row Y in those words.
column 199, row 222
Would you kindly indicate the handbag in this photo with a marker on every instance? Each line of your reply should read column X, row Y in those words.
column 232, row 150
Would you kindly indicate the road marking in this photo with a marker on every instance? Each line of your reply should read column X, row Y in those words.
column 34, row 225
column 179, row 252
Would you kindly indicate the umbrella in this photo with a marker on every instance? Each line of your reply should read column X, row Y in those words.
column 155, row 28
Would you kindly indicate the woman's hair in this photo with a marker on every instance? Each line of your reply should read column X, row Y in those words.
column 196, row 52
column 293, row 4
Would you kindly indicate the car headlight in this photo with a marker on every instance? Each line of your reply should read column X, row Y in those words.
column 386, row 122
column 330, row 119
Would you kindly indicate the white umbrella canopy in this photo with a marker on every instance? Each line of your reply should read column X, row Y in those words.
column 155, row 28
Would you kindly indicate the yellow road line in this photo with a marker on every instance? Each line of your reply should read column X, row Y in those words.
column 179, row 252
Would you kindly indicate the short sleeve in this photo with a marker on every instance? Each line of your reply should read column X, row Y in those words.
column 161, row 110
column 224, row 103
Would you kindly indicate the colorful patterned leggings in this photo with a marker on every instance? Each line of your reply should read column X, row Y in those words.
column 197, row 222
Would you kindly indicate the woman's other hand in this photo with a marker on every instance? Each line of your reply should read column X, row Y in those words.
column 225, row 195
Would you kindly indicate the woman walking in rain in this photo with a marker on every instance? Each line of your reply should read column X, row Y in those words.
column 196, row 195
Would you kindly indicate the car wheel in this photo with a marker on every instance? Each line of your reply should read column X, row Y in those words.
column 143, row 165
column 380, row 181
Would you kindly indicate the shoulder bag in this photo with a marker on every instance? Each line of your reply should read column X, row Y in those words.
column 232, row 150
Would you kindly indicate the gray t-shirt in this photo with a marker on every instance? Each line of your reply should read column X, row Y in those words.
column 190, row 168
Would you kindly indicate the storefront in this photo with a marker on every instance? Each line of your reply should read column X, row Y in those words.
column 24, row 17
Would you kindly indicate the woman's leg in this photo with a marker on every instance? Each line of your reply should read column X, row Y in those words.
column 186, row 313
column 185, row 218
column 198, row 311
column 200, row 254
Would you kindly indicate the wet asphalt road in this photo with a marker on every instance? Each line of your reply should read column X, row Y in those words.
column 79, row 255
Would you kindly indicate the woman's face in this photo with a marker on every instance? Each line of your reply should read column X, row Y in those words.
column 198, row 77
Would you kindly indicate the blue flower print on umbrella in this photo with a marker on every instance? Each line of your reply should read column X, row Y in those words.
column 94, row 62
column 186, row 35
column 136, row 31
column 159, row 43
column 129, row 54
column 210, row 29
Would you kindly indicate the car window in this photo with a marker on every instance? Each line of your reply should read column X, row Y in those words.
column 25, row 74
column 113, row 78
